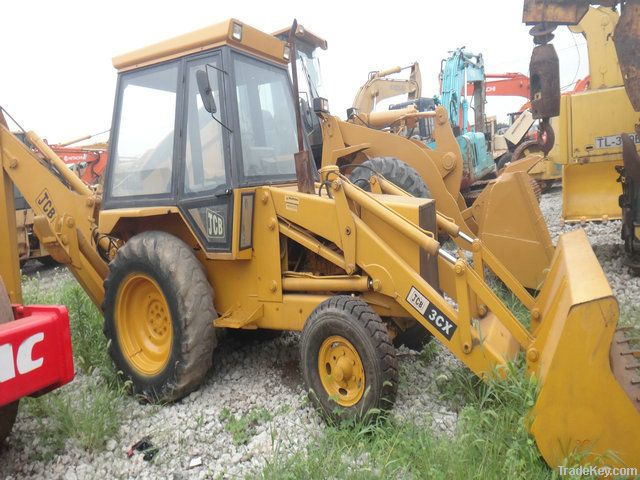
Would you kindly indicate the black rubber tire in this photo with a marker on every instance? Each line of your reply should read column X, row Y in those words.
column 415, row 337
column 394, row 170
column 7, row 412
column 48, row 261
column 183, row 281
column 503, row 160
column 353, row 319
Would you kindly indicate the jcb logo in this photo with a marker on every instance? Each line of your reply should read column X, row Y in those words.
column 46, row 204
column 215, row 224
column 24, row 361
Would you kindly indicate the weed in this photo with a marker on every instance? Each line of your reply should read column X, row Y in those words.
column 244, row 427
column 89, row 409
column 86, row 322
column 85, row 414
column 491, row 441
column 429, row 352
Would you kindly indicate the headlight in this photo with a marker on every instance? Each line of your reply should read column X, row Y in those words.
column 236, row 32
column 320, row 105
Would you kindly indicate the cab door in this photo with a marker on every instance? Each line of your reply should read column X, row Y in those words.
column 204, row 194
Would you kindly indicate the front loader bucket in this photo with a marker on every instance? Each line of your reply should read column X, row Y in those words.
column 511, row 225
column 590, row 191
column 587, row 407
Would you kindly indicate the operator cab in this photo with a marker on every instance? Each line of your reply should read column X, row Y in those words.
column 199, row 119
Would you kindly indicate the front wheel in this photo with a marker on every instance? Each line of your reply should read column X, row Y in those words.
column 159, row 316
column 347, row 359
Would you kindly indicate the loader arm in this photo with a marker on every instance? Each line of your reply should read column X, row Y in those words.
column 65, row 212
column 589, row 414
column 518, row 236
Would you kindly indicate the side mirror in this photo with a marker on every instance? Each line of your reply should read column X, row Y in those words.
column 204, row 87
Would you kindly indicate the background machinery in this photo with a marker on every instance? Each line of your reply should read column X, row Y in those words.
column 35, row 342
column 587, row 125
column 88, row 162
column 222, row 223
column 441, row 167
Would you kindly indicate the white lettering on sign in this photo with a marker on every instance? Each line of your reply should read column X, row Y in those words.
column 24, row 362
column 215, row 224
column 613, row 141
column 429, row 311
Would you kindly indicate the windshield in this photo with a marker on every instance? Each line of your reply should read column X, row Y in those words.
column 267, row 120
column 309, row 65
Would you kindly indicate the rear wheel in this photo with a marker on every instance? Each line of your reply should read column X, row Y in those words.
column 159, row 316
column 347, row 359
column 7, row 412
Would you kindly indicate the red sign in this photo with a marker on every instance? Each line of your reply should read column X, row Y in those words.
column 35, row 352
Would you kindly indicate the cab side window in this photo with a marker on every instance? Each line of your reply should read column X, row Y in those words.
column 204, row 156
column 267, row 120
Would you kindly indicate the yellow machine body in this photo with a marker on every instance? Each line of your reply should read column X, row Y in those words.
column 380, row 247
column 588, row 145
column 569, row 416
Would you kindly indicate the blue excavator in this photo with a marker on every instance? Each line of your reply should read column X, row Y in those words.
column 457, row 72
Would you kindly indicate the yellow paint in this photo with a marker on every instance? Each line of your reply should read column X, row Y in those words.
column 253, row 41
column 143, row 324
column 587, row 146
column 580, row 405
column 341, row 371
column 590, row 191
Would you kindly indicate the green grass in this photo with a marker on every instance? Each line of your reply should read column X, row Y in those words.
column 510, row 301
column 88, row 410
column 491, row 441
column 86, row 415
column 242, row 428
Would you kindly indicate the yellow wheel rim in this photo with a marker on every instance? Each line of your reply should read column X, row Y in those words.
column 341, row 370
column 143, row 324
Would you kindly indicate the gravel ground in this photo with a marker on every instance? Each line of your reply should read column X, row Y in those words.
column 251, row 376
column 607, row 245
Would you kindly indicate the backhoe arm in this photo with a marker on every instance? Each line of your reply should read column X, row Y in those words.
column 379, row 87
column 65, row 211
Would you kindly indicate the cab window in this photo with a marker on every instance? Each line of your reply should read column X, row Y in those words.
column 204, row 156
column 143, row 154
column 267, row 120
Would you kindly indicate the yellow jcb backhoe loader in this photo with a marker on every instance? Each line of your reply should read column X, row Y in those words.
column 212, row 218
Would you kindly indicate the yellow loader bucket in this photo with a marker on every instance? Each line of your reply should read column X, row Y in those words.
column 511, row 225
column 588, row 408
column 590, row 191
